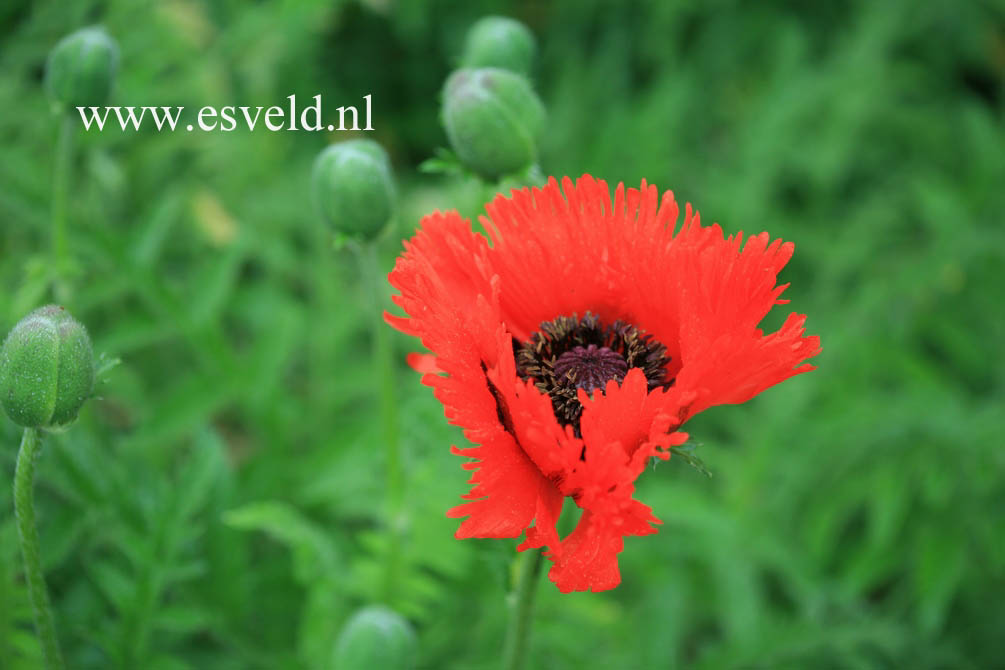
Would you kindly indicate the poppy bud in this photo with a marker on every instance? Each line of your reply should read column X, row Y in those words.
column 376, row 637
column 497, row 41
column 492, row 118
column 353, row 187
column 81, row 69
column 46, row 369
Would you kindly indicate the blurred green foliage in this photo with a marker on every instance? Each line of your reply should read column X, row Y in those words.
column 221, row 505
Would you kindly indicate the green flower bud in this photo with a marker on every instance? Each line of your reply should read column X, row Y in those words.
column 81, row 69
column 46, row 369
column 376, row 637
column 493, row 119
column 496, row 41
column 353, row 188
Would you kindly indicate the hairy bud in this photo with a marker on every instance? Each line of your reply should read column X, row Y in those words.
column 81, row 69
column 493, row 119
column 376, row 637
column 353, row 188
column 46, row 369
column 497, row 41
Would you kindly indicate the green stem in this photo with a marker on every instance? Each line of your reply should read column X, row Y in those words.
column 24, row 511
column 60, row 188
column 521, row 618
column 383, row 370
column 326, row 301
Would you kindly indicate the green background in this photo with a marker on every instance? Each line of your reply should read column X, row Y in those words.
column 221, row 505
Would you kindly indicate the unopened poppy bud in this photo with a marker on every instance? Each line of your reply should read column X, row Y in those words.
column 497, row 41
column 492, row 118
column 353, row 188
column 46, row 369
column 81, row 69
column 376, row 637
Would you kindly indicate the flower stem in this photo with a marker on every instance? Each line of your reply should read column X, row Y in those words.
column 24, row 511
column 383, row 362
column 60, row 187
column 518, row 633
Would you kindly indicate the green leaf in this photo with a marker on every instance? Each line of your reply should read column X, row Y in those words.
column 183, row 620
column 103, row 367
column 314, row 553
column 687, row 452
column 445, row 162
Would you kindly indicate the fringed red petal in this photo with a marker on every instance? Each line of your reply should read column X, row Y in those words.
column 560, row 255
column 453, row 311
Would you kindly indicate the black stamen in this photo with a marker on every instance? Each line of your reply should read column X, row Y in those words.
column 569, row 353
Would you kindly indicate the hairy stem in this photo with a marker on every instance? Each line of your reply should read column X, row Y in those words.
column 60, row 188
column 522, row 615
column 24, row 512
column 383, row 370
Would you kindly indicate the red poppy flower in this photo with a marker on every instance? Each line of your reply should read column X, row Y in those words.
column 573, row 343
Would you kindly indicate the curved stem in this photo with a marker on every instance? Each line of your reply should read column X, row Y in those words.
column 383, row 370
column 521, row 618
column 60, row 187
column 24, row 511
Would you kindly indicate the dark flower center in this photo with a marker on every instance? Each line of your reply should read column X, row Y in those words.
column 590, row 367
column 569, row 353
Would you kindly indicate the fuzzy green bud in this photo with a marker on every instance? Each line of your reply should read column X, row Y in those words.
column 81, row 69
column 46, row 369
column 497, row 41
column 493, row 119
column 376, row 637
column 353, row 188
